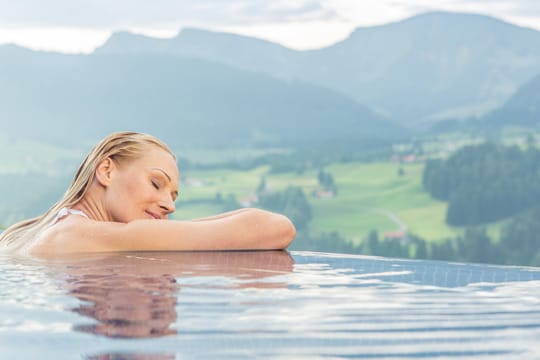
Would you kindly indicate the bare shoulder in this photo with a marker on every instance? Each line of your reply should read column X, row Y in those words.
column 73, row 234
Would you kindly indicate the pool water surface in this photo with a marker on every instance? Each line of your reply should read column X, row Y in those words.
column 265, row 305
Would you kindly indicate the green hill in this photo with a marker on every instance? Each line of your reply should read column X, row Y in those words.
column 522, row 109
column 186, row 101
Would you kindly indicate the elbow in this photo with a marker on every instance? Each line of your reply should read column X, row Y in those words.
column 279, row 231
column 288, row 233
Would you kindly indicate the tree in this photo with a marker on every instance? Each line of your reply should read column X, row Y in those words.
column 372, row 246
column 292, row 202
column 326, row 180
column 328, row 242
column 485, row 183
column 520, row 238
column 531, row 141
column 262, row 185
column 418, row 247
column 476, row 246
column 230, row 203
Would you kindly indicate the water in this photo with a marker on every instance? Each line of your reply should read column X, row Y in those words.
column 265, row 305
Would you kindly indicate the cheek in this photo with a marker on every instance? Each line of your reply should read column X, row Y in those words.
column 132, row 189
column 129, row 192
column 127, row 201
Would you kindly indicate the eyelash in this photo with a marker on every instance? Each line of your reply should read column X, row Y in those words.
column 155, row 184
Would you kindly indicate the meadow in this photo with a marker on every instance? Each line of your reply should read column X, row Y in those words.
column 385, row 196
column 371, row 196
column 18, row 156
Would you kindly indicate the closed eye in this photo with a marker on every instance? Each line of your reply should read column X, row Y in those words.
column 155, row 184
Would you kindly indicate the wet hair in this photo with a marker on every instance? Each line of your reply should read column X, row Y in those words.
column 121, row 147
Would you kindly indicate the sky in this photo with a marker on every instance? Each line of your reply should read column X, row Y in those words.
column 75, row 26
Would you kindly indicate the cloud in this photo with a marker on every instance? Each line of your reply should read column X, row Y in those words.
column 520, row 7
column 81, row 25
column 169, row 14
column 518, row 12
column 498, row 8
column 287, row 11
column 157, row 13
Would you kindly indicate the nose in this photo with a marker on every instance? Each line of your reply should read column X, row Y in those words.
column 168, row 206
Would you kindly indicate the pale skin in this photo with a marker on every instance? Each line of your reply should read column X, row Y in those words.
column 128, row 206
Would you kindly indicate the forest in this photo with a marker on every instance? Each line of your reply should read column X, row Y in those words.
column 485, row 183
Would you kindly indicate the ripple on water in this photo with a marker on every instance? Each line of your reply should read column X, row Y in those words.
column 267, row 305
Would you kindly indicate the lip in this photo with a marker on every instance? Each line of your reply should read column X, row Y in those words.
column 154, row 216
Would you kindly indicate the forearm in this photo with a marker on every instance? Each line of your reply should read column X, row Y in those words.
column 249, row 229
column 222, row 215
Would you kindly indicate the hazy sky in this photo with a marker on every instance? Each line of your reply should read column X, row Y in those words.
column 81, row 26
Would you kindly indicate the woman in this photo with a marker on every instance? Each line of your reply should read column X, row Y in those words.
column 119, row 198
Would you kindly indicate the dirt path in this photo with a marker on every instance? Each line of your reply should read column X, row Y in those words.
column 393, row 217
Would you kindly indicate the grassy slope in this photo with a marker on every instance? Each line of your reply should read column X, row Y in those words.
column 224, row 181
column 23, row 156
column 367, row 193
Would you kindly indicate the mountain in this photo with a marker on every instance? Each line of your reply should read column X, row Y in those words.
column 433, row 65
column 522, row 109
column 185, row 101
column 424, row 68
column 234, row 50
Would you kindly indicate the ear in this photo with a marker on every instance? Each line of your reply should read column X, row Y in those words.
column 104, row 172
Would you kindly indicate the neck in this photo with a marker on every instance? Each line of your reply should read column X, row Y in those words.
column 92, row 207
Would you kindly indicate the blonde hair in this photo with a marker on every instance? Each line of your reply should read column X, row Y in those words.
column 119, row 146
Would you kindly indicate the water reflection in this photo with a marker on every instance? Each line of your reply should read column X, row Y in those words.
column 253, row 305
column 135, row 295
column 130, row 356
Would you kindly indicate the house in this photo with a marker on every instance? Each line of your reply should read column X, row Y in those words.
column 248, row 200
column 193, row 182
column 323, row 194
column 409, row 158
column 400, row 235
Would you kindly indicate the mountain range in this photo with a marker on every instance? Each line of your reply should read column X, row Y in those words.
column 206, row 88
column 185, row 101
column 428, row 67
column 522, row 109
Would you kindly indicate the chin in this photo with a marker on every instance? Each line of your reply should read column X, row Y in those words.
column 149, row 216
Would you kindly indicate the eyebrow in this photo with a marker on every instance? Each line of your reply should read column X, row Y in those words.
column 163, row 171
column 168, row 177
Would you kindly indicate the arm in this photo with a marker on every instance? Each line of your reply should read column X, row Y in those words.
column 250, row 229
column 223, row 215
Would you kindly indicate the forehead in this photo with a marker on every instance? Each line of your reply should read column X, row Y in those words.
column 157, row 158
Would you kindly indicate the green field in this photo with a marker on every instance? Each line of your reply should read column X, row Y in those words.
column 24, row 156
column 371, row 196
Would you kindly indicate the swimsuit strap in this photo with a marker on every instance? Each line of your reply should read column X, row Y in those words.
column 67, row 211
